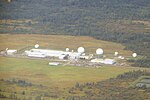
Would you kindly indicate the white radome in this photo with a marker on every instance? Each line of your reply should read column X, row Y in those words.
column 99, row 51
column 36, row 46
column 81, row 50
column 67, row 49
column 72, row 50
column 116, row 53
column 9, row 0
column 134, row 55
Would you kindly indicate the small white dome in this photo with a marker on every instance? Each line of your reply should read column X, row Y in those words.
column 134, row 55
column 9, row 0
column 99, row 51
column 67, row 49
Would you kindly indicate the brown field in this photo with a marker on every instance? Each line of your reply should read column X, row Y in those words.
column 60, row 42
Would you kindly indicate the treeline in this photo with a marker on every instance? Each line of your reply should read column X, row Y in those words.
column 138, row 42
column 16, row 89
column 112, row 89
column 101, row 9
column 21, row 83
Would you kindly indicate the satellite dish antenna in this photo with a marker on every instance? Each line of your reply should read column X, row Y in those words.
column 122, row 58
column 81, row 50
column 67, row 49
column 134, row 55
column 37, row 46
column 6, row 49
column 99, row 51
column 116, row 53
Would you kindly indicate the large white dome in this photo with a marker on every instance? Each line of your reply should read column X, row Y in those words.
column 99, row 51
column 81, row 50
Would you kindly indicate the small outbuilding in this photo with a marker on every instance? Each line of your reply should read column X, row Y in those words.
column 104, row 61
column 109, row 61
column 11, row 52
column 53, row 63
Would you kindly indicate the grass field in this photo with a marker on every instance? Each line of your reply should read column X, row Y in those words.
column 38, row 71
column 19, row 41
column 54, row 80
column 57, row 80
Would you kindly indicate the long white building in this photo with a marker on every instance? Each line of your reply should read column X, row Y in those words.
column 42, row 53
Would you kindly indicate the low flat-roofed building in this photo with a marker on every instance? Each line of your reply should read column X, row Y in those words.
column 11, row 52
column 103, row 61
column 35, row 54
column 144, row 82
column 53, row 63
column 52, row 53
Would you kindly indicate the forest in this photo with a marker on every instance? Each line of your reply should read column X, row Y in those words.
column 112, row 89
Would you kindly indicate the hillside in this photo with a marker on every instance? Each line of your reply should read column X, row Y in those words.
column 118, row 88
column 123, row 21
column 27, row 78
column 75, row 9
column 78, row 17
